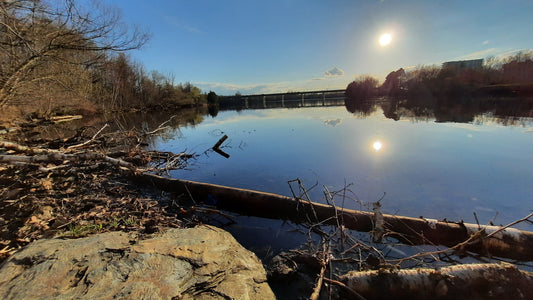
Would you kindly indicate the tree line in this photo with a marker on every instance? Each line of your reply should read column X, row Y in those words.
column 510, row 76
column 71, row 56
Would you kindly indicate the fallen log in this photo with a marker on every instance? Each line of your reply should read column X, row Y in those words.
column 470, row 281
column 487, row 240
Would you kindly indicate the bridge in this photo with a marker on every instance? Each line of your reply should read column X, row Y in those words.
column 289, row 99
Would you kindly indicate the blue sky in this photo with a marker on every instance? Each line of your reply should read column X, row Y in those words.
column 254, row 46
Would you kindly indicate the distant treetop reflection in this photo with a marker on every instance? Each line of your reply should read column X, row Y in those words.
column 361, row 108
column 505, row 111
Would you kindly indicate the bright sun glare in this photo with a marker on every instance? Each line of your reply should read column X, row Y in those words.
column 385, row 39
column 377, row 145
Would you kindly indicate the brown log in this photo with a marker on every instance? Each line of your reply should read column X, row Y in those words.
column 471, row 281
column 507, row 243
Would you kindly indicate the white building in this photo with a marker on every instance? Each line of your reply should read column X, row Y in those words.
column 463, row 64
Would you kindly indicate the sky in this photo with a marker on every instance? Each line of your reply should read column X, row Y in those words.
column 255, row 47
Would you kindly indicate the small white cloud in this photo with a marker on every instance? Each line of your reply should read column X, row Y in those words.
column 333, row 123
column 335, row 72
column 486, row 42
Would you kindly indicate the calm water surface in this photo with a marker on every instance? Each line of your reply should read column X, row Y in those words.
column 423, row 168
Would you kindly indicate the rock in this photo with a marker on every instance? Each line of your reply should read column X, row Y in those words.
column 202, row 263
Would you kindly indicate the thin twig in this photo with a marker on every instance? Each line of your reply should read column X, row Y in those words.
column 190, row 195
column 308, row 198
column 324, row 264
column 526, row 218
column 88, row 141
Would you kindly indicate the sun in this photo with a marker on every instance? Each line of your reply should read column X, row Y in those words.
column 385, row 39
column 377, row 145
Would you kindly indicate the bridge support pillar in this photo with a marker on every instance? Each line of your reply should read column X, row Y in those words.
column 264, row 102
column 282, row 100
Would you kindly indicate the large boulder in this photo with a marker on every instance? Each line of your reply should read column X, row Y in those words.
column 202, row 263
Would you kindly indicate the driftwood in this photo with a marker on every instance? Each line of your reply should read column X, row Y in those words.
column 50, row 157
column 470, row 281
column 37, row 155
column 220, row 141
column 217, row 149
column 26, row 149
column 60, row 119
column 487, row 240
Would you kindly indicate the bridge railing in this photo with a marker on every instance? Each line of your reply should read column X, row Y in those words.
column 292, row 99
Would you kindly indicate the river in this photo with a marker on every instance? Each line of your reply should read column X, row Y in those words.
column 454, row 164
column 417, row 167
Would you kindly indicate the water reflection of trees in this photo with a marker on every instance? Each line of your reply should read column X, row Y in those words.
column 140, row 122
column 505, row 111
column 360, row 96
column 362, row 108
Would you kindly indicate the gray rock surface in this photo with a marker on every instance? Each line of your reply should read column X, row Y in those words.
column 197, row 263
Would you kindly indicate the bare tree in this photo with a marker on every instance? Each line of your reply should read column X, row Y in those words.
column 35, row 34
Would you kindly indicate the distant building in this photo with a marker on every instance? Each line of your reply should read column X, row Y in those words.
column 463, row 64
